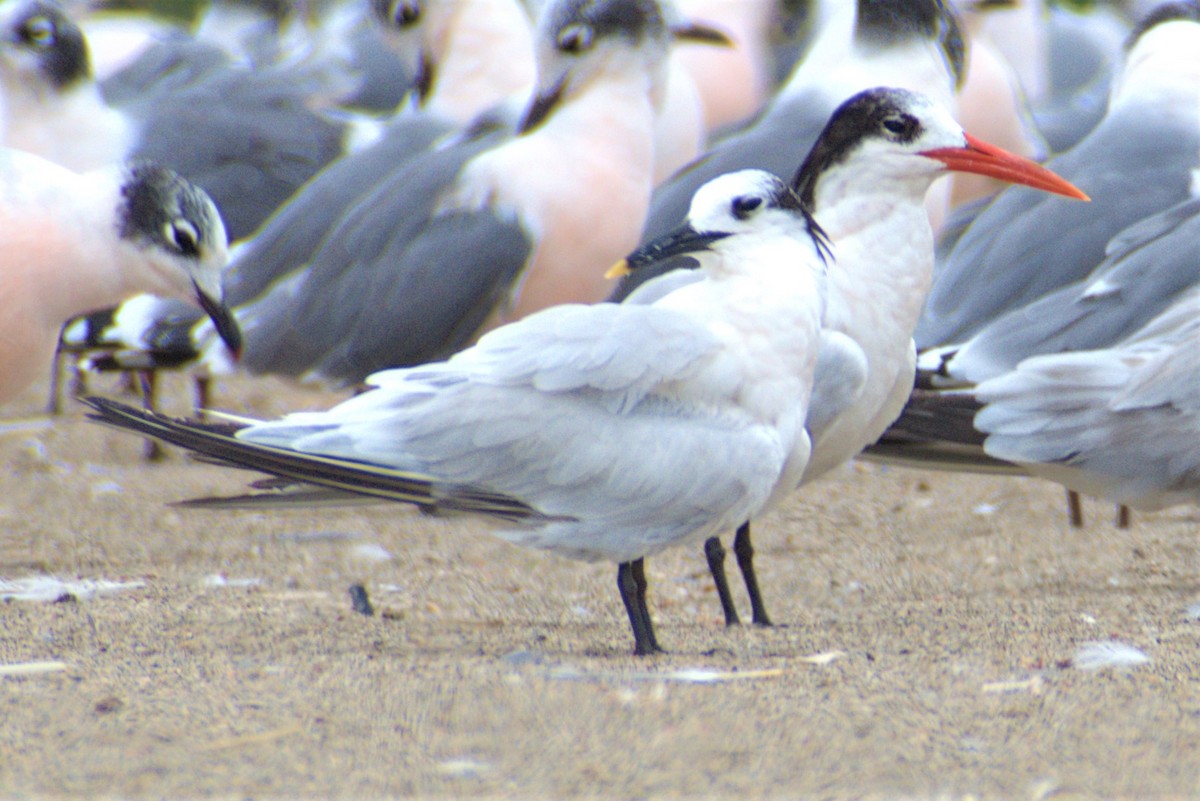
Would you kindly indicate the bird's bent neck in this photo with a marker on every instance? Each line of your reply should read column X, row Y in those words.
column 74, row 128
column 482, row 55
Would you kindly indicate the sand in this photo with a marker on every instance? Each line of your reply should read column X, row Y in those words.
column 930, row 627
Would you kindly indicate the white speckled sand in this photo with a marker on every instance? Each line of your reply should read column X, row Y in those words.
column 931, row 621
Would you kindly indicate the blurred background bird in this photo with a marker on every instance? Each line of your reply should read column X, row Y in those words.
column 315, row 106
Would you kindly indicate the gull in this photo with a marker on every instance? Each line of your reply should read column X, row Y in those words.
column 1087, row 386
column 73, row 242
column 1117, row 422
column 490, row 228
column 865, row 181
column 602, row 432
column 466, row 56
column 246, row 136
column 1140, row 160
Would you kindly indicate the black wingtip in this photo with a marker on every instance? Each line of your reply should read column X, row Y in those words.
column 109, row 411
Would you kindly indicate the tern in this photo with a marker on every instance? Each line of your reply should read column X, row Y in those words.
column 1087, row 386
column 999, row 291
column 865, row 182
column 597, row 432
column 913, row 45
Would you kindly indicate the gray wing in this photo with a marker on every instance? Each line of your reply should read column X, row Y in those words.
column 1148, row 266
column 838, row 381
column 167, row 66
column 393, row 283
column 1028, row 243
column 1083, row 47
column 289, row 239
column 1066, row 120
column 573, row 410
column 434, row 294
column 1119, row 422
column 248, row 138
column 385, row 77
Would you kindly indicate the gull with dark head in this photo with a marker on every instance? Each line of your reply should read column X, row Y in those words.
column 248, row 137
column 74, row 242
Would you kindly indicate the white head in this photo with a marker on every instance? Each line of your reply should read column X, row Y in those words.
column 1162, row 59
column 578, row 41
column 894, row 140
column 728, row 212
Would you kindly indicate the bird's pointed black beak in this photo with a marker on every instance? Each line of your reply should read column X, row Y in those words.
column 700, row 33
column 223, row 320
column 541, row 106
column 683, row 241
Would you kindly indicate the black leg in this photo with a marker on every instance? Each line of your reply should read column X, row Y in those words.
column 203, row 387
column 54, row 404
column 78, row 387
column 148, row 379
column 1074, row 509
column 744, row 551
column 638, row 568
column 639, row 620
column 714, row 552
column 1123, row 517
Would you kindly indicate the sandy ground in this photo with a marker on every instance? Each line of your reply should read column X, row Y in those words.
column 929, row 627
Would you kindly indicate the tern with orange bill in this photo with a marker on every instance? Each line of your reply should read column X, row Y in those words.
column 865, row 182
column 601, row 432
column 1008, row 288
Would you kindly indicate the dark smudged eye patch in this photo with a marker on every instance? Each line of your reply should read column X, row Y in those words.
column 575, row 38
column 903, row 126
column 39, row 30
column 184, row 236
column 743, row 207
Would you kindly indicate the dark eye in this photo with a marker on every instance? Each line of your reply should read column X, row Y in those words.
column 39, row 30
column 396, row 13
column 183, row 235
column 575, row 38
column 406, row 12
column 743, row 207
column 901, row 125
